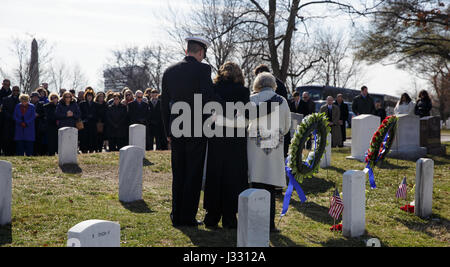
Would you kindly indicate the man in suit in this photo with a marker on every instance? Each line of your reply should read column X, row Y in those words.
column 333, row 115
column 155, row 127
column 294, row 105
column 180, row 83
column 363, row 104
column 138, row 109
column 343, row 108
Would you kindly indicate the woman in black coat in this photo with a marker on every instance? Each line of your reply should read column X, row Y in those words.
column 101, row 106
column 88, row 141
column 67, row 112
column 226, row 174
column 423, row 104
column 50, row 122
column 116, row 124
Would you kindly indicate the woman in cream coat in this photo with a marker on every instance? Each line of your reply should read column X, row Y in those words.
column 265, row 141
column 405, row 105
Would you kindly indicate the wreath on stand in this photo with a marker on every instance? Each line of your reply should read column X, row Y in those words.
column 380, row 145
column 315, row 125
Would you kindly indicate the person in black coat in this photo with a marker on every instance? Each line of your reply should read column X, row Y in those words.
column 100, row 109
column 51, row 125
column 138, row 110
column 423, row 104
column 88, row 140
column 179, row 84
column 40, row 144
column 155, row 130
column 379, row 110
column 344, row 113
column 281, row 88
column 116, row 124
column 67, row 112
column 227, row 171
column 9, row 124
column 5, row 92
column 294, row 104
column 363, row 104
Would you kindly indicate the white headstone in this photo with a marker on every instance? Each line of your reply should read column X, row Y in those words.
column 354, row 198
column 5, row 192
column 130, row 173
column 447, row 124
column 424, row 187
column 254, row 218
column 363, row 128
column 326, row 159
column 137, row 135
column 296, row 119
column 67, row 146
column 94, row 233
column 406, row 144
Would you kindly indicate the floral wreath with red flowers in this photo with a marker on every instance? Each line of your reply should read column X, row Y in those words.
column 382, row 141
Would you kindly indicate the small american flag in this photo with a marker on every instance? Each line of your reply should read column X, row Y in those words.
column 401, row 191
column 336, row 205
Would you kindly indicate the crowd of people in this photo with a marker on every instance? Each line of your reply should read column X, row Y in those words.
column 29, row 123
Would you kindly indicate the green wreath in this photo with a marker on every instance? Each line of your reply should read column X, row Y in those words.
column 315, row 122
column 379, row 148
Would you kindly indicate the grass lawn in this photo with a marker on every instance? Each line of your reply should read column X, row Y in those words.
column 47, row 202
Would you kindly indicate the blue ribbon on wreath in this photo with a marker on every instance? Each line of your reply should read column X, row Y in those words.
column 369, row 169
column 292, row 184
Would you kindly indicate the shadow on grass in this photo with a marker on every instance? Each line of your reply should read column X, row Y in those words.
column 5, row 234
column 71, row 168
column 433, row 223
column 337, row 169
column 388, row 165
column 313, row 211
column 137, row 206
column 280, row 240
column 214, row 238
column 316, row 185
column 147, row 162
column 342, row 241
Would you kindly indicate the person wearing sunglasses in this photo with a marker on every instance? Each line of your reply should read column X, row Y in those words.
column 138, row 110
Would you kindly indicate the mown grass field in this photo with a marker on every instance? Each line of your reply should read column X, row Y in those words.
column 47, row 202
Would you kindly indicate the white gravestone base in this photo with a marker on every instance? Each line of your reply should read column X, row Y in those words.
column 406, row 144
column 254, row 218
column 5, row 192
column 94, row 233
column 67, row 146
column 130, row 173
column 424, row 187
column 137, row 135
column 326, row 159
column 354, row 198
column 363, row 128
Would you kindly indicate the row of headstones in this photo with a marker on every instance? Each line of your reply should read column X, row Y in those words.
column 415, row 137
column 68, row 142
column 254, row 212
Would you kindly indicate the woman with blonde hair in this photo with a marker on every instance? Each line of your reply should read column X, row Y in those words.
column 265, row 143
column 24, row 116
column 226, row 174
column 67, row 112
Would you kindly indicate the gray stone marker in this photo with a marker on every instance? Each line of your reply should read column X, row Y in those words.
column 254, row 218
column 94, row 233
column 424, row 187
column 130, row 173
column 406, row 144
column 137, row 135
column 296, row 119
column 67, row 146
column 363, row 128
column 430, row 135
column 326, row 159
column 5, row 192
column 354, row 198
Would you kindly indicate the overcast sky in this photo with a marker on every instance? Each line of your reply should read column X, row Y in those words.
column 85, row 31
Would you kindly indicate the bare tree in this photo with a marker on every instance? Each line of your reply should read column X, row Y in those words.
column 21, row 49
column 64, row 76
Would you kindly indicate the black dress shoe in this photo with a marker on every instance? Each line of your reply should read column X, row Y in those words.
column 275, row 230
column 194, row 223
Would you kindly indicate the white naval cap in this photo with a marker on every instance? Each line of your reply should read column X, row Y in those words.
column 202, row 41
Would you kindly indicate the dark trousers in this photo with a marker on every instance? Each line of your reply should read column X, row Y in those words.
column 344, row 133
column 24, row 147
column 52, row 134
column 116, row 143
column 271, row 190
column 188, row 155
column 100, row 139
column 226, row 178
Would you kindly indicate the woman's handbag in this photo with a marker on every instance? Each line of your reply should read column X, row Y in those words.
column 79, row 125
column 100, row 126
